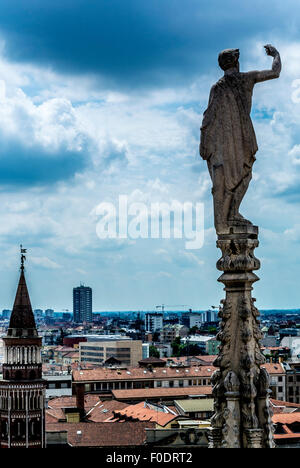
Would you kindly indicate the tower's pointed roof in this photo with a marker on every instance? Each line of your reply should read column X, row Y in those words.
column 22, row 323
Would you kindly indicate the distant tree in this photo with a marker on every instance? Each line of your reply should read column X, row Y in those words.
column 153, row 352
column 193, row 330
column 191, row 350
column 176, row 347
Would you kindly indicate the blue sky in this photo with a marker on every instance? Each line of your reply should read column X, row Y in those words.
column 103, row 98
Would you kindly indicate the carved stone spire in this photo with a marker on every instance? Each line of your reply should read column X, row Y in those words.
column 242, row 416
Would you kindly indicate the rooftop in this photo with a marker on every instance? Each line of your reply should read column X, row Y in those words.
column 273, row 369
column 141, row 412
column 167, row 393
column 200, row 360
column 194, row 405
column 126, row 434
column 96, row 410
column 99, row 374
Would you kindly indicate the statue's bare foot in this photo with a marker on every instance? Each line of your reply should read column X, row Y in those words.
column 239, row 220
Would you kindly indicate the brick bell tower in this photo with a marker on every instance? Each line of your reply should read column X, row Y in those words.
column 22, row 390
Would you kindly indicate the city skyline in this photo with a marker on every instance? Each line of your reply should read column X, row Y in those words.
column 86, row 116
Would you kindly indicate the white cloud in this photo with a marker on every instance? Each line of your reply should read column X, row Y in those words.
column 45, row 262
column 144, row 144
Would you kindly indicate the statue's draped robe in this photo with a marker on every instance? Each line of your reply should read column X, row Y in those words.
column 227, row 134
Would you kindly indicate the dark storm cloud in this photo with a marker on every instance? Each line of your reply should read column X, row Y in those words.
column 29, row 166
column 134, row 42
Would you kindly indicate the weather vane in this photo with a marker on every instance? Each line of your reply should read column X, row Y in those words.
column 23, row 256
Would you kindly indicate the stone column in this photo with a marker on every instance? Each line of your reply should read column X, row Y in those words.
column 240, row 387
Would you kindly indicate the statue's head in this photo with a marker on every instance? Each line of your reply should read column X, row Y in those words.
column 229, row 58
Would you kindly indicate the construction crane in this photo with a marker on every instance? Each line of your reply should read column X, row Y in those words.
column 162, row 307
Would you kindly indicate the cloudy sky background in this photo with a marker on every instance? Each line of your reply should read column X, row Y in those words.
column 103, row 98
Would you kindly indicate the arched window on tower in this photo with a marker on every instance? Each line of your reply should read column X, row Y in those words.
column 23, row 429
column 18, row 375
column 4, row 427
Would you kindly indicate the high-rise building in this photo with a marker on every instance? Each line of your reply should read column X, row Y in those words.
column 49, row 313
column 66, row 316
column 192, row 319
column 83, row 304
column 211, row 316
column 6, row 313
column 38, row 314
column 153, row 322
column 22, row 390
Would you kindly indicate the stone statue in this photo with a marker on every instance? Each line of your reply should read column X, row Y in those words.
column 228, row 141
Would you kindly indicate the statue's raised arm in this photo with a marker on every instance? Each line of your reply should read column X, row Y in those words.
column 228, row 141
column 265, row 75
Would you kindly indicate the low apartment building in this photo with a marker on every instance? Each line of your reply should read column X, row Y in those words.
column 105, row 381
column 58, row 384
column 200, row 340
column 293, row 381
column 277, row 375
column 170, row 332
column 126, row 352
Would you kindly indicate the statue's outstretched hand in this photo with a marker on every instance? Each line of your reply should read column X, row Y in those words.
column 270, row 50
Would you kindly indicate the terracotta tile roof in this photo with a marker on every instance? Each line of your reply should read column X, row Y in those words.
column 81, row 365
column 103, row 434
column 284, row 403
column 140, row 412
column 274, row 369
column 74, row 354
column 51, row 418
column 56, row 405
column 105, row 410
column 286, row 418
column 104, row 374
column 278, row 409
column 208, row 358
column 161, row 392
column 287, row 436
column 60, row 402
